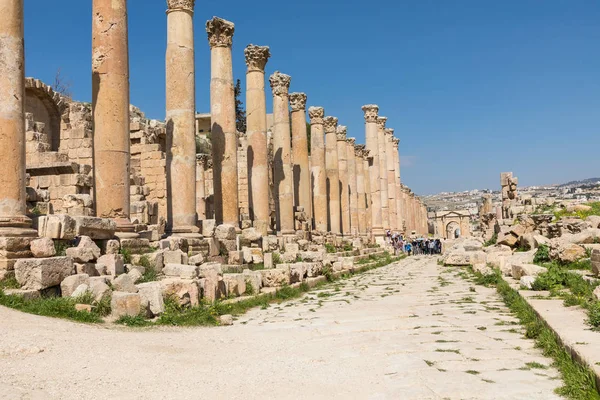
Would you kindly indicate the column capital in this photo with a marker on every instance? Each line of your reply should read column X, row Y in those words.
column 396, row 141
column 298, row 101
column 389, row 131
column 203, row 158
column 381, row 122
column 220, row 32
column 257, row 57
column 330, row 124
column 370, row 111
column 341, row 132
column 316, row 115
column 351, row 141
column 359, row 150
column 280, row 83
column 184, row 5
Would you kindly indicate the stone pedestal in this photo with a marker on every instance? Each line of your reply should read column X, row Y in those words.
column 333, row 177
column 302, row 195
column 256, row 131
column 283, row 175
column 361, row 199
column 223, row 129
column 352, row 186
column 371, row 134
column 110, row 109
column 383, row 177
column 181, row 118
column 318, row 169
column 343, row 176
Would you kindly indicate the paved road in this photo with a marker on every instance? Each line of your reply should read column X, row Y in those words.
column 411, row 330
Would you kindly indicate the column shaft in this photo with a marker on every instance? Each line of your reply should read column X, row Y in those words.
column 201, row 160
column 352, row 186
column 318, row 169
column 372, row 141
column 398, row 187
column 381, row 142
column 333, row 176
column 391, row 161
column 302, row 195
column 368, row 193
column 361, row 203
column 343, row 177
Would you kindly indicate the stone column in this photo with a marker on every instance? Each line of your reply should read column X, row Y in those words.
column 300, row 149
column 201, row 161
column 391, row 162
column 343, row 177
column 381, row 142
column 283, row 175
column 333, row 176
column 318, row 170
column 222, row 115
column 15, row 232
column 367, row 161
column 361, row 200
column 256, row 131
column 352, row 186
column 372, row 139
column 398, row 187
column 110, row 110
column 181, row 118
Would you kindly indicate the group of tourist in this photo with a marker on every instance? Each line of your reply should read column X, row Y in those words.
column 410, row 246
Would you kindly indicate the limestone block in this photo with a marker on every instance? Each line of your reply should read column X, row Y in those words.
column 596, row 262
column 566, row 252
column 298, row 271
column 112, row 247
column 86, row 268
column 236, row 257
column 483, row 269
column 25, row 293
column 226, row 320
column 42, row 273
column 519, row 270
column 225, row 232
column 508, row 240
column 185, row 291
column 337, row 266
column 312, row 256
column 95, row 228
column 113, row 264
column 527, row 281
column 594, row 220
column 125, row 304
column 126, row 283
column 135, row 245
column 587, row 236
column 151, row 298
column 208, row 227
column 517, row 230
column 70, row 283
column 198, row 259
column 184, row 271
column 99, row 287
column 275, row 277
column 270, row 243
column 457, row 258
column 268, row 260
column 57, row 226
column 80, row 291
column 235, row 284
column 250, row 235
column 175, row 257
column 42, row 248
column 254, row 278
column 314, row 269
column 86, row 251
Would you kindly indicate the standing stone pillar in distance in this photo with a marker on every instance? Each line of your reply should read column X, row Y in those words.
column 222, row 115
column 201, row 161
column 352, row 186
column 302, row 194
column 181, row 118
column 390, row 166
column 343, row 176
column 372, row 139
column 383, row 179
column 318, row 170
column 256, row 131
column 283, row 175
column 398, row 186
column 367, row 161
column 110, row 110
column 361, row 200
column 333, row 176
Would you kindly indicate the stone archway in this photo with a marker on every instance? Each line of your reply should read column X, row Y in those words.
column 453, row 230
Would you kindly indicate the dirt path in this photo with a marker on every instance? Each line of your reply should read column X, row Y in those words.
column 411, row 330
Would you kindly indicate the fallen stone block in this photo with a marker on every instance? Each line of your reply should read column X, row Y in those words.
column 57, row 226
column 253, row 278
column 151, row 298
column 125, row 283
column 43, row 248
column 80, row 291
column 519, row 270
column 86, row 268
column 86, row 251
column 99, row 288
column 185, row 291
column 527, row 281
column 42, row 273
column 27, row 294
column 225, row 232
column 181, row 270
column 226, row 320
column 70, row 283
column 298, row 272
column 95, row 228
column 125, row 304
column 175, row 257
column 113, row 264
column 235, row 284
column 275, row 277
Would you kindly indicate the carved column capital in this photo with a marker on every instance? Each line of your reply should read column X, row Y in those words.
column 389, row 131
column 396, row 141
column 280, row 83
column 220, row 32
column 351, row 141
column 257, row 57
column 359, row 150
column 298, row 101
column 381, row 122
column 203, row 158
column 370, row 111
column 330, row 124
column 185, row 5
column 316, row 115
column 341, row 132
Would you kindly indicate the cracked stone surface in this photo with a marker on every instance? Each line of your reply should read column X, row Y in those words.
column 411, row 330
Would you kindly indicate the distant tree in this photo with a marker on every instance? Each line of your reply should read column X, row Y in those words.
column 240, row 113
column 61, row 85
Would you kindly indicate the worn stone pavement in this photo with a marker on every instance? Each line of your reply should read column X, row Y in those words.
column 410, row 330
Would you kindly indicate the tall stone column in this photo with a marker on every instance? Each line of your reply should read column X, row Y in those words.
column 15, row 232
column 222, row 115
column 110, row 110
column 391, row 162
column 352, row 186
column 201, row 161
column 318, row 169
column 398, row 187
column 361, row 200
column 302, row 194
column 333, row 176
column 181, row 118
column 372, row 139
column 283, row 174
column 343, row 176
column 367, row 161
column 381, row 142
column 256, row 131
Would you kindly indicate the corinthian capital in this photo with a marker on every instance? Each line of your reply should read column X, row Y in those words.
column 220, row 32
column 280, row 83
column 257, row 57
column 330, row 124
column 316, row 115
column 298, row 101
column 359, row 150
column 351, row 141
column 186, row 5
column 381, row 122
column 341, row 132
column 370, row 111
column 396, row 141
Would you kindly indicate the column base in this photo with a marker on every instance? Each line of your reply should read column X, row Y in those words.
column 191, row 232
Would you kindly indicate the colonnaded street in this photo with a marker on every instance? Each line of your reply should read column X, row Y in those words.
column 410, row 330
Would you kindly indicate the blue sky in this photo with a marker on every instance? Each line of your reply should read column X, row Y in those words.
column 472, row 87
